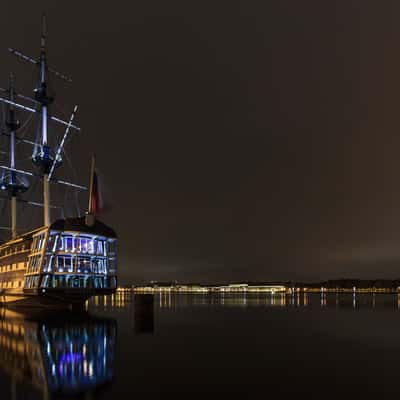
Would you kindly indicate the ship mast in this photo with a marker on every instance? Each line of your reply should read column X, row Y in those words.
column 45, row 101
column 43, row 159
column 12, row 124
column 11, row 181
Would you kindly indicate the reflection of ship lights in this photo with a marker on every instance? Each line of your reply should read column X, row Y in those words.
column 71, row 358
column 83, row 355
column 63, row 357
column 69, row 362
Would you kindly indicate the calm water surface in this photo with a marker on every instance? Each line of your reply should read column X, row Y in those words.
column 201, row 346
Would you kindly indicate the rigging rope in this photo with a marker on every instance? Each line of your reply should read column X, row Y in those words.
column 75, row 177
column 25, row 125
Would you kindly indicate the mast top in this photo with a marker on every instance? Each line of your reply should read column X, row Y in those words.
column 11, row 181
column 43, row 38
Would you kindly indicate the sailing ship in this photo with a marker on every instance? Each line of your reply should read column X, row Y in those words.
column 67, row 260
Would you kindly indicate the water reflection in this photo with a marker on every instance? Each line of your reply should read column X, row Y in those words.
column 172, row 301
column 117, row 300
column 65, row 355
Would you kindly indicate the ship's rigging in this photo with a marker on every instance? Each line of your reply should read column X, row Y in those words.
column 46, row 157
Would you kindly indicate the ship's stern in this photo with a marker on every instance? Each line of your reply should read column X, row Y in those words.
column 71, row 261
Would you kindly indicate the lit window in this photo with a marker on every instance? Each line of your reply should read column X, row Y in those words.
column 91, row 246
column 100, row 247
column 69, row 244
column 48, row 263
column 64, row 263
column 68, row 264
column 83, row 244
column 45, row 281
column 97, row 266
column 84, row 264
column 52, row 243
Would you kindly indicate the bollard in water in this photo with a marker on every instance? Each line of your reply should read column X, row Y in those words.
column 143, row 313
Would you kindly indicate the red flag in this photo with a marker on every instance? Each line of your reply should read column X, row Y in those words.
column 96, row 198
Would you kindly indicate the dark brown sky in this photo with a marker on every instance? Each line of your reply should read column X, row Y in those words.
column 238, row 140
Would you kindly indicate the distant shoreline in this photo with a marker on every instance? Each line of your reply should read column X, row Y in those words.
column 330, row 286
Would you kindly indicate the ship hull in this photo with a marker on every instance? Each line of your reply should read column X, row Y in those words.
column 56, row 299
column 31, row 301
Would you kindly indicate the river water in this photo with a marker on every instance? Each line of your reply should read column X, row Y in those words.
column 202, row 346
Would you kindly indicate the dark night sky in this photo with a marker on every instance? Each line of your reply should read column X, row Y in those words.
column 237, row 140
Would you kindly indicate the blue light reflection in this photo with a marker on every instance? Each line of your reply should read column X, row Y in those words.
column 66, row 354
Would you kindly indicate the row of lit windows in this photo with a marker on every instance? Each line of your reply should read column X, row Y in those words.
column 69, row 281
column 78, row 281
column 80, row 244
column 67, row 243
column 13, row 250
column 13, row 267
column 79, row 264
column 10, row 284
